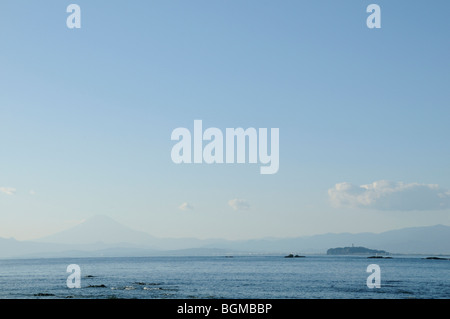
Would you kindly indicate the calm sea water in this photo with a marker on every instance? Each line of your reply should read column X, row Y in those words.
column 239, row 277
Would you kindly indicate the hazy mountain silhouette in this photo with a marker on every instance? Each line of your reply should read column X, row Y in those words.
column 414, row 240
column 103, row 236
column 103, row 229
column 99, row 229
column 14, row 248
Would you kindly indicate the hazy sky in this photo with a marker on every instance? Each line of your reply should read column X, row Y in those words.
column 86, row 115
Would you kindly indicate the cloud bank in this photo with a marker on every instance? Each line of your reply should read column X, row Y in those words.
column 386, row 195
column 186, row 206
column 239, row 204
column 8, row 190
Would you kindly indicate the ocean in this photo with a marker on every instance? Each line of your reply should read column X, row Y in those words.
column 217, row 277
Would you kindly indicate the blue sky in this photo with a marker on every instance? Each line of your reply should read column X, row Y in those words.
column 86, row 115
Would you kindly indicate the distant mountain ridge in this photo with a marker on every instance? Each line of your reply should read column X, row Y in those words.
column 99, row 229
column 103, row 236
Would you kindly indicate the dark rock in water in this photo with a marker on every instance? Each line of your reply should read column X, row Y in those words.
column 89, row 276
column 436, row 258
column 292, row 256
column 43, row 294
column 380, row 257
column 149, row 284
column 96, row 286
column 140, row 283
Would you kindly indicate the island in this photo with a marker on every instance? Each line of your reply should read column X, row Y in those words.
column 436, row 258
column 355, row 251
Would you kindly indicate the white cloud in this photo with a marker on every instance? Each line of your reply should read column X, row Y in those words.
column 239, row 204
column 386, row 195
column 8, row 190
column 186, row 206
